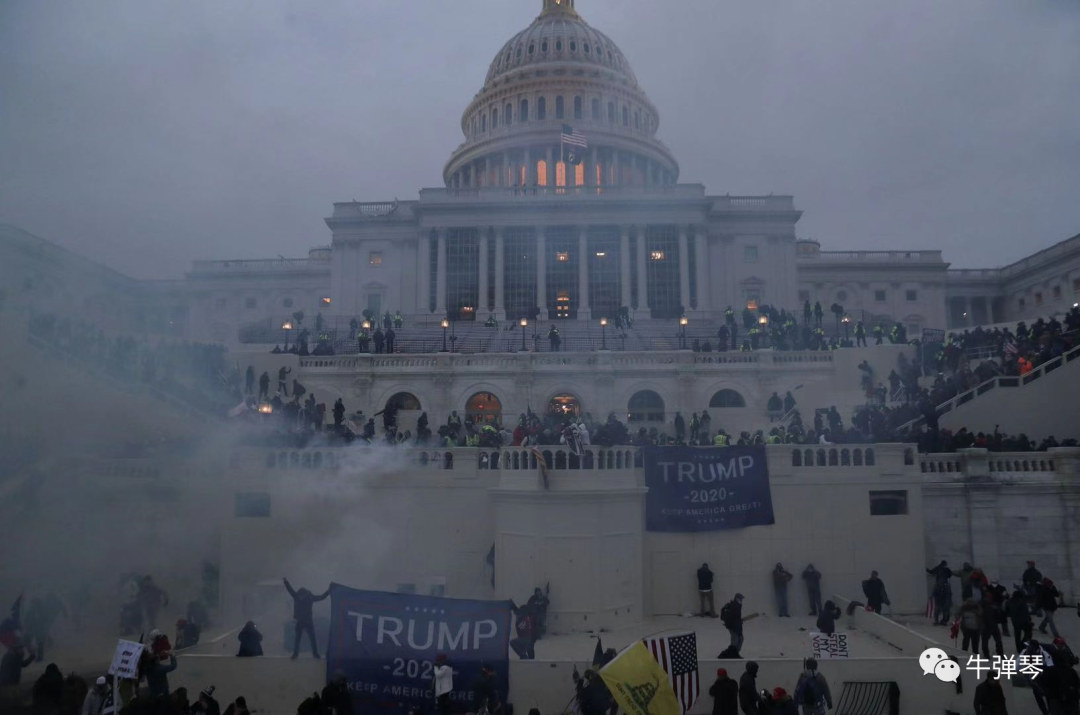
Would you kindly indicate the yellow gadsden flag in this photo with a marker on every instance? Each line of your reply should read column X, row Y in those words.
column 639, row 684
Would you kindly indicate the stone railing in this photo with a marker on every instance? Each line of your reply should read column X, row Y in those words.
column 752, row 203
column 978, row 462
column 875, row 256
column 517, row 193
column 265, row 265
column 660, row 360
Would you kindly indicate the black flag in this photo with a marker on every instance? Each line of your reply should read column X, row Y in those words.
column 598, row 653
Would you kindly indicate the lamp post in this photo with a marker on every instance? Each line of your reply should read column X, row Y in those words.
column 445, row 324
column 523, row 323
column 763, row 321
column 846, row 320
column 682, row 332
column 603, row 333
column 287, row 326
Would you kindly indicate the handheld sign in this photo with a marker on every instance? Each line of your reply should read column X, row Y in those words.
column 125, row 661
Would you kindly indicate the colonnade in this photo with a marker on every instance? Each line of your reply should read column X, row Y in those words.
column 539, row 167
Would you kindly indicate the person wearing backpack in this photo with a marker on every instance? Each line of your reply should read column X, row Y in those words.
column 826, row 621
column 731, row 617
column 812, row 691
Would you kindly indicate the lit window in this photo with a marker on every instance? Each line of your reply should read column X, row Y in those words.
column 751, row 304
column 562, row 256
column 325, row 300
column 879, row 296
column 912, row 295
column 375, row 258
column 656, row 255
column 750, row 254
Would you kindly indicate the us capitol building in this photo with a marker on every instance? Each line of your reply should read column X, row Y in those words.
column 527, row 220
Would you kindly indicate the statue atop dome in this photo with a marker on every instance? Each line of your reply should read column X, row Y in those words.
column 560, row 6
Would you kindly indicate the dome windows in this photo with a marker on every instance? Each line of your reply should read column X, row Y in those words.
column 573, row 46
column 541, row 108
column 596, row 110
column 494, row 118
column 543, row 46
column 577, row 108
column 585, row 46
column 523, row 112
column 611, row 112
column 532, row 47
column 519, row 52
column 483, row 123
column 558, row 45
column 559, row 110
column 508, row 113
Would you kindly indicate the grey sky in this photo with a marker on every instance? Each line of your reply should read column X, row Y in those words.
column 150, row 134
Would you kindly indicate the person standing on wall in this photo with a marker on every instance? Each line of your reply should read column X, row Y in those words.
column 303, row 603
column 781, row 577
column 732, row 618
column 705, row 593
column 874, row 590
column 813, row 588
column 942, row 593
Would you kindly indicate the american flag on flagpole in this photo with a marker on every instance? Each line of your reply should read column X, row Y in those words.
column 677, row 655
column 573, row 137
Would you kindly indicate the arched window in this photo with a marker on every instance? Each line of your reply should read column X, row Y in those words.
column 484, row 408
column 403, row 401
column 577, row 108
column 494, row 117
column 541, row 173
column 541, row 108
column 645, row 406
column 508, row 113
column 523, row 112
column 611, row 112
column 483, row 123
column 727, row 398
column 596, row 110
column 559, row 110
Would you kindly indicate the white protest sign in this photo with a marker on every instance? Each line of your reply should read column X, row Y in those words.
column 828, row 646
column 125, row 661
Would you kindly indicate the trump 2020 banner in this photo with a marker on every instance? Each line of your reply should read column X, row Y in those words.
column 385, row 644
column 706, row 488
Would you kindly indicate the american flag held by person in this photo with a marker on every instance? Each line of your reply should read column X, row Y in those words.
column 677, row 655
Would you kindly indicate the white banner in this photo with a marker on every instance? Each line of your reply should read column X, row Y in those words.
column 828, row 646
column 125, row 661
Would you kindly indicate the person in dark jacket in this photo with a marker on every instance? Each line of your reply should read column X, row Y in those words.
column 970, row 625
column 992, row 617
column 812, row 690
column 303, row 602
column 826, row 621
column 725, row 694
column 813, row 588
column 1047, row 600
column 11, row 667
column 48, row 693
column 705, row 592
column 157, row 676
column 990, row 698
column 942, row 593
column 250, row 641
column 874, row 590
column 782, row 703
column 1020, row 616
column 336, row 695
column 780, row 578
column 749, row 700
column 206, row 704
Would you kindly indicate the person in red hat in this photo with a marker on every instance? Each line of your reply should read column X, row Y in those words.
column 782, row 704
column 725, row 694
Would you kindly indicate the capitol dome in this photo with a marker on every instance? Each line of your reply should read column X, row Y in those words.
column 556, row 73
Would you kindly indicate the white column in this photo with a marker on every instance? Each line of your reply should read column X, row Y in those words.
column 701, row 267
column 440, row 276
column 624, row 266
column 643, row 287
column 482, row 292
column 423, row 279
column 584, row 305
column 684, row 269
column 500, row 266
column 541, row 270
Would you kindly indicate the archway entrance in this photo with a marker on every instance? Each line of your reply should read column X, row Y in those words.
column 564, row 405
column 484, row 408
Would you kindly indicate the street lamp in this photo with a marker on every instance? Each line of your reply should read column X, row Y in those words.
column 523, row 323
column 445, row 324
column 287, row 326
column 846, row 320
column 603, row 333
column 366, row 325
column 682, row 332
